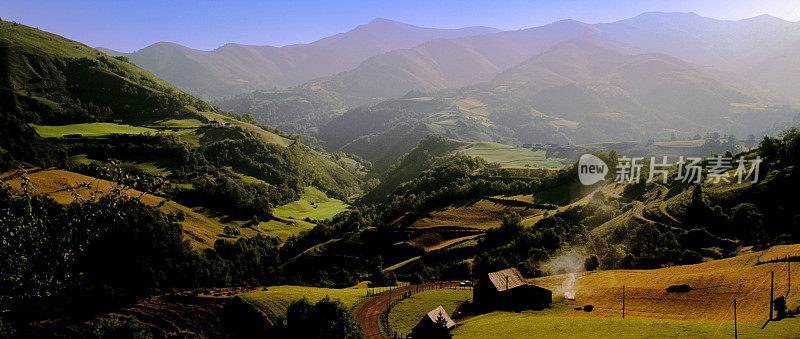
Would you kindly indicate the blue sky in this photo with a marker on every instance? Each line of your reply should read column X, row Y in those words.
column 128, row 25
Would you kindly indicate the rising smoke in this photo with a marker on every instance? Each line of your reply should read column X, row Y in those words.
column 570, row 263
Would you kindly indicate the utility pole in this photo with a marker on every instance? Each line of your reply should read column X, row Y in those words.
column 623, row 301
column 735, row 327
column 771, row 292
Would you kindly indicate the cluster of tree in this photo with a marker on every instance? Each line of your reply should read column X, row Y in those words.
column 325, row 319
column 298, row 110
column 96, row 253
column 240, row 199
column 459, row 179
column 430, row 152
column 88, row 253
column 286, row 171
column 19, row 144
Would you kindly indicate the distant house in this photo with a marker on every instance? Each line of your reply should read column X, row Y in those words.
column 507, row 289
column 225, row 124
column 551, row 146
column 426, row 327
column 213, row 123
column 527, row 145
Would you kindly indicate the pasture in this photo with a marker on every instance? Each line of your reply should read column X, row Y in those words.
column 405, row 315
column 201, row 226
column 704, row 311
column 274, row 300
column 93, row 129
column 528, row 324
column 314, row 204
column 511, row 156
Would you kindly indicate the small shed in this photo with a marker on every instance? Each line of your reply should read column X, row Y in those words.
column 426, row 327
column 508, row 289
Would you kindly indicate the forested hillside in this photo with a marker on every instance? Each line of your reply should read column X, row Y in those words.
column 158, row 133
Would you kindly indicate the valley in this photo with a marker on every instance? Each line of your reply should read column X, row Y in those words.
column 348, row 186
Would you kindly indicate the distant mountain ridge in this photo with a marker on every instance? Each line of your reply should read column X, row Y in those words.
column 579, row 91
column 234, row 68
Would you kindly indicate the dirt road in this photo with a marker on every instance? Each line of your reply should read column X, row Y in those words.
column 368, row 313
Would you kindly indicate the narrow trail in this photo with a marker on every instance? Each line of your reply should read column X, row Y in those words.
column 638, row 213
column 639, row 210
column 368, row 314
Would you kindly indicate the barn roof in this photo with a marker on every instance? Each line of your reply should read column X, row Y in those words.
column 433, row 315
column 507, row 279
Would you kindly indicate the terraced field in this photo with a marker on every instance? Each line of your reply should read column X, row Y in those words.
column 481, row 214
column 93, row 129
column 200, row 226
column 512, row 156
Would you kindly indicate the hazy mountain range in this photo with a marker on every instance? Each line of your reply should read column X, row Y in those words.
column 234, row 68
column 752, row 53
column 645, row 77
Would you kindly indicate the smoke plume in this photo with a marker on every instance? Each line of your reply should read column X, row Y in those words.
column 570, row 263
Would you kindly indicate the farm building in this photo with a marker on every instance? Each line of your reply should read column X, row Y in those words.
column 427, row 328
column 508, row 289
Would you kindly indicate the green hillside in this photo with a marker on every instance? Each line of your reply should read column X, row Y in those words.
column 431, row 151
column 53, row 80
column 73, row 107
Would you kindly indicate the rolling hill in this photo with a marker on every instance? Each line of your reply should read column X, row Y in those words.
column 705, row 311
column 50, row 79
column 447, row 63
column 750, row 56
column 74, row 108
column 579, row 91
column 234, row 69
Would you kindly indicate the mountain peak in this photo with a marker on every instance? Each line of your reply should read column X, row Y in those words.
column 766, row 18
column 382, row 21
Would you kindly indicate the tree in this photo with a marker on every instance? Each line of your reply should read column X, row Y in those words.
column 591, row 263
column 117, row 328
column 326, row 319
column 440, row 329
column 748, row 222
column 780, row 307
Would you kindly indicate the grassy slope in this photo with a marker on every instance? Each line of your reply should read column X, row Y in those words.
column 94, row 129
column 510, row 156
column 528, row 325
column 275, row 299
column 314, row 204
column 650, row 310
column 40, row 64
column 200, row 227
column 481, row 214
column 405, row 315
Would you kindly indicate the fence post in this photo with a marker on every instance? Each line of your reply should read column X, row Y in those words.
column 771, row 292
column 735, row 327
column 623, row 301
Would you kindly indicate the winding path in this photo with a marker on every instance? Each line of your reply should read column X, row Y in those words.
column 368, row 314
column 639, row 210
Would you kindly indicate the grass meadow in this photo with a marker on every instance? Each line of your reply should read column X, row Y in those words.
column 511, row 156
column 405, row 315
column 93, row 129
column 314, row 204
column 528, row 324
